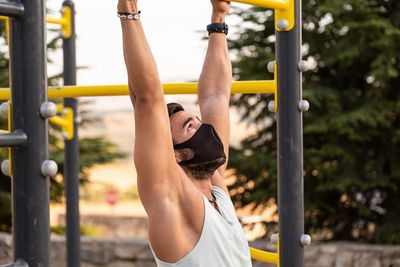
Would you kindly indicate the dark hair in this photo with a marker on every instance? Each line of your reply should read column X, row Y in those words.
column 174, row 108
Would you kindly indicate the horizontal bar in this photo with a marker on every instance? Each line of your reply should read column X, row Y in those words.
column 11, row 9
column 274, row 4
column 264, row 256
column 59, row 121
column 51, row 20
column 16, row 138
column 244, row 87
column 18, row 263
column 55, row 20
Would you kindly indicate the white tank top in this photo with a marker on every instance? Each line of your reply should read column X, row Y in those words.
column 222, row 242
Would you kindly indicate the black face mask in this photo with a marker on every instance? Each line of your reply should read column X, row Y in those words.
column 205, row 144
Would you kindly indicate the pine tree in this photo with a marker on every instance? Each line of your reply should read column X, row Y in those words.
column 352, row 130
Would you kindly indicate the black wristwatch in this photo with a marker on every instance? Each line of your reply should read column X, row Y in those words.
column 217, row 27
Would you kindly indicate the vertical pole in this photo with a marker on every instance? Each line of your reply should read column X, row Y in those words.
column 71, row 156
column 290, row 145
column 30, row 189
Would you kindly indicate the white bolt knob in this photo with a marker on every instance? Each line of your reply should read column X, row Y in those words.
column 271, row 106
column 64, row 135
column 274, row 239
column 305, row 240
column 282, row 24
column 78, row 119
column 4, row 110
column 48, row 110
column 64, row 111
column 303, row 65
column 304, row 105
column 5, row 167
column 49, row 168
column 271, row 66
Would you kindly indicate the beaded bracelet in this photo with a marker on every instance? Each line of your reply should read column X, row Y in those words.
column 217, row 27
column 129, row 15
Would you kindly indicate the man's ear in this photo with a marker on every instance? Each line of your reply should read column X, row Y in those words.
column 178, row 156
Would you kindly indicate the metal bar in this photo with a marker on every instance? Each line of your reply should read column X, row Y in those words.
column 71, row 154
column 16, row 138
column 13, row 9
column 55, row 20
column 243, row 87
column 290, row 144
column 274, row 4
column 57, row 120
column 18, row 263
column 264, row 256
column 30, row 190
column 51, row 20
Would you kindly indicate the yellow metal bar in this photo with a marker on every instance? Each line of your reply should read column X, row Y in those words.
column 66, row 17
column 7, row 27
column 244, row 87
column 55, row 20
column 9, row 149
column 275, row 87
column 264, row 256
column 57, row 120
column 274, row 4
column 59, row 108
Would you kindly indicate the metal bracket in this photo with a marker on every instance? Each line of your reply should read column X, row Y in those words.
column 284, row 11
column 285, row 14
column 9, row 129
column 64, row 21
column 66, row 121
column 275, row 86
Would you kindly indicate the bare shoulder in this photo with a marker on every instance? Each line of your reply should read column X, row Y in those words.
column 175, row 220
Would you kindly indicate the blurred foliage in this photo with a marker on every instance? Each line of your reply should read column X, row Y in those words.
column 352, row 130
column 92, row 151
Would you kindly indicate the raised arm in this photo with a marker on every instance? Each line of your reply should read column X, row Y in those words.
column 215, row 84
column 153, row 151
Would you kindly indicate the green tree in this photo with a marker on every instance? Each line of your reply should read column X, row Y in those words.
column 352, row 131
column 96, row 150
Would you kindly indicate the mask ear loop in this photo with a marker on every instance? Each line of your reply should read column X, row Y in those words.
column 213, row 201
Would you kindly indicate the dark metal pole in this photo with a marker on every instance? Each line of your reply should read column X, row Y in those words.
column 13, row 9
column 30, row 189
column 71, row 156
column 290, row 145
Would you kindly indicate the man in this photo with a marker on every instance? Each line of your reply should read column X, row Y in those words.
column 181, row 160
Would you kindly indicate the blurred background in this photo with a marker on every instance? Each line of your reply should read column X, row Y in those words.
column 351, row 132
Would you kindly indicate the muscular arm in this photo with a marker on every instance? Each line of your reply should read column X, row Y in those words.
column 153, row 153
column 215, row 85
column 163, row 187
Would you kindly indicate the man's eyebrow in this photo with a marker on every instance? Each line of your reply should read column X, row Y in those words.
column 187, row 121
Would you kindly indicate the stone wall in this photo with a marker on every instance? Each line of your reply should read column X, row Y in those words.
column 113, row 226
column 135, row 252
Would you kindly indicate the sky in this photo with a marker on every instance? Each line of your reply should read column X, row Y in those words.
column 174, row 30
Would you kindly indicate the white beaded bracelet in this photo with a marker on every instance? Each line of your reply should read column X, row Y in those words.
column 129, row 15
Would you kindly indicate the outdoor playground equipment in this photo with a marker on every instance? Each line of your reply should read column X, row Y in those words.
column 27, row 136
